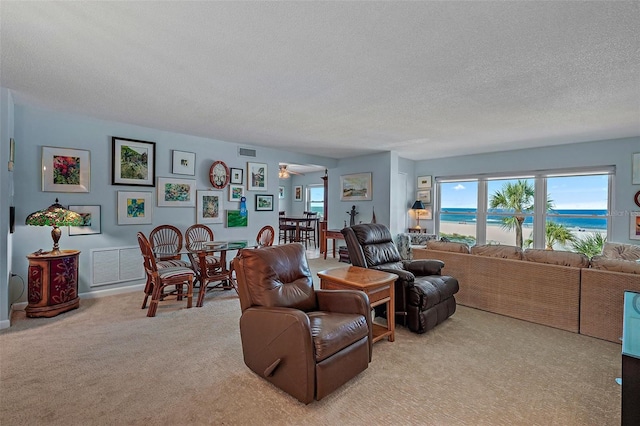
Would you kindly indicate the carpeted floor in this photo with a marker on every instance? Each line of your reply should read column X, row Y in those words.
column 107, row 363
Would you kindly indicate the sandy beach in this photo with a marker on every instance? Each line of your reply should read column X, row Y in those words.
column 497, row 234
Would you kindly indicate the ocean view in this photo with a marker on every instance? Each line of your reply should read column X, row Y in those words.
column 467, row 215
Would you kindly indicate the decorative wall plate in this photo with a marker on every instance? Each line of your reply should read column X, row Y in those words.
column 219, row 174
column 636, row 198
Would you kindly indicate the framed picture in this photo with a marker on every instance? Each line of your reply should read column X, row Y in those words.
column 424, row 182
column 424, row 196
column 174, row 192
column 90, row 220
column 237, row 176
column 65, row 169
column 297, row 193
column 281, row 192
column 183, row 163
column 356, row 187
column 236, row 192
column 133, row 162
column 235, row 220
column 264, row 203
column 256, row 176
column 634, row 225
column 12, row 154
column 636, row 169
column 209, row 206
column 135, row 207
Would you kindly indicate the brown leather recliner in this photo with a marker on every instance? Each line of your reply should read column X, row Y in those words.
column 306, row 342
column 424, row 297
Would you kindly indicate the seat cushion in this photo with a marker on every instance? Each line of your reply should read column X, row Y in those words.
column 333, row 331
column 173, row 263
column 166, row 273
column 430, row 290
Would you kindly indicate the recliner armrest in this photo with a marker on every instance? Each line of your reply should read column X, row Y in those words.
column 423, row 267
column 406, row 276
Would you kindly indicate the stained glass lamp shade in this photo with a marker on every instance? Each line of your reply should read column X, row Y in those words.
column 418, row 205
column 55, row 215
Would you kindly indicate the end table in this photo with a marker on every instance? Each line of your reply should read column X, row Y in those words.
column 53, row 283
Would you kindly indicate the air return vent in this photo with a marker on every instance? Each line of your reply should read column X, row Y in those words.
column 246, row 152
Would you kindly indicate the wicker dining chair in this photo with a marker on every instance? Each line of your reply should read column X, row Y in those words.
column 266, row 235
column 166, row 242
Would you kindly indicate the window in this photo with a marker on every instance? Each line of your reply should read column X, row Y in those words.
column 315, row 199
column 559, row 211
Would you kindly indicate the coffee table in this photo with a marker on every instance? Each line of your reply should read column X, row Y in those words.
column 378, row 285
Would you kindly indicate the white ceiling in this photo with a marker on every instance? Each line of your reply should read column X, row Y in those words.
column 427, row 79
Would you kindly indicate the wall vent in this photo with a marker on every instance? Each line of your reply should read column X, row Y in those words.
column 246, row 152
column 116, row 265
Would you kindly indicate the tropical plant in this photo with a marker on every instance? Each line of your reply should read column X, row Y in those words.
column 590, row 245
column 557, row 233
column 518, row 198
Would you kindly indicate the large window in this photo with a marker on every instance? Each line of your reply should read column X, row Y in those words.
column 556, row 211
column 315, row 199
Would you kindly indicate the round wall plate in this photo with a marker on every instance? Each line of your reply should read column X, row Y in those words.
column 636, row 198
column 219, row 174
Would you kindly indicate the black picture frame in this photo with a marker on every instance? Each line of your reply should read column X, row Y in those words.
column 237, row 176
column 139, row 166
column 264, row 203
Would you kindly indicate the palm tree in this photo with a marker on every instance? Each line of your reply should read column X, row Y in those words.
column 557, row 233
column 589, row 245
column 516, row 197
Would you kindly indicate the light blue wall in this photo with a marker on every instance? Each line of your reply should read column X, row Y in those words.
column 616, row 153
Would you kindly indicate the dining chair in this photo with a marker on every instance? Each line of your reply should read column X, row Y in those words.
column 159, row 279
column 196, row 235
column 286, row 230
column 265, row 237
column 308, row 230
column 166, row 243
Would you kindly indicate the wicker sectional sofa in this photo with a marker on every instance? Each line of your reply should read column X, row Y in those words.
column 553, row 288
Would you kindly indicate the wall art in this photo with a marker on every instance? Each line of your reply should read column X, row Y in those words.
column 424, row 182
column 297, row 193
column 65, row 169
column 135, row 207
column 133, row 162
column 236, row 192
column 356, row 187
column 91, row 219
column 173, row 192
column 237, row 176
column 264, row 203
column 209, row 207
column 256, row 176
column 183, row 163
column 236, row 220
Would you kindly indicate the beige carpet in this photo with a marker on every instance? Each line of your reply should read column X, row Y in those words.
column 107, row 363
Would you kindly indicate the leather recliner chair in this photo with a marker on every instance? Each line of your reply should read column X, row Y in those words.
column 424, row 297
column 306, row 342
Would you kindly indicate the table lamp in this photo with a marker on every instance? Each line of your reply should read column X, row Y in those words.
column 55, row 215
column 418, row 206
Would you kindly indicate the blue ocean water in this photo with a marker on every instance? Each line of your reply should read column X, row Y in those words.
column 468, row 215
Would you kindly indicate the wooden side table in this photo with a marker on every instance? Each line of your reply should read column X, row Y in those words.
column 417, row 230
column 53, row 283
column 378, row 285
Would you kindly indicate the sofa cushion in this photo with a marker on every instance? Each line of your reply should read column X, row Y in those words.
column 621, row 251
column 615, row 265
column 556, row 257
column 448, row 246
column 501, row 251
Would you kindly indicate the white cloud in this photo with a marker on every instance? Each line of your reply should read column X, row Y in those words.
column 458, row 187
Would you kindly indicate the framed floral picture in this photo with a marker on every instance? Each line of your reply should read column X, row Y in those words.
column 209, row 207
column 236, row 220
column 256, row 176
column 356, row 187
column 264, row 203
column 65, row 169
column 90, row 220
column 236, row 192
column 133, row 162
column 183, row 163
column 174, row 192
column 135, row 207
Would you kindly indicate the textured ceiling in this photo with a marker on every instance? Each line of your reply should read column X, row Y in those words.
column 336, row 79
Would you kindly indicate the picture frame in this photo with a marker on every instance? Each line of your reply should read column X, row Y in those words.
column 257, row 176
column 634, row 225
column 176, row 192
column 264, row 203
column 133, row 162
column 12, row 154
column 91, row 218
column 236, row 220
column 424, row 196
column 237, row 176
column 65, row 169
column 281, row 192
column 297, row 193
column 356, row 187
column 209, row 206
column 183, row 163
column 635, row 173
column 135, row 207
column 424, row 182
column 236, row 192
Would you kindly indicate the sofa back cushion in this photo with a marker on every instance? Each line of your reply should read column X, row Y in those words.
column 504, row 252
column 615, row 265
column 556, row 257
column 448, row 246
column 621, row 251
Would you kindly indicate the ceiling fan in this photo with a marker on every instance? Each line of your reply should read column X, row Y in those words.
column 285, row 173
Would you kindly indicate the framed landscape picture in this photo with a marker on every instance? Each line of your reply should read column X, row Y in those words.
column 183, row 163
column 65, row 169
column 209, row 207
column 424, row 182
column 356, row 187
column 264, row 203
column 174, row 192
column 424, row 196
column 135, row 207
column 236, row 192
column 90, row 220
column 236, row 220
column 133, row 162
column 256, row 176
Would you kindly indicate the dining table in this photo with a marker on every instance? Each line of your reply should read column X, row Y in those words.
column 300, row 221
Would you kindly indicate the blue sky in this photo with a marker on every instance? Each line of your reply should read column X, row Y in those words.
column 574, row 192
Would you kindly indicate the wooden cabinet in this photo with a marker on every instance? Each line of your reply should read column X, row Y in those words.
column 417, row 230
column 53, row 283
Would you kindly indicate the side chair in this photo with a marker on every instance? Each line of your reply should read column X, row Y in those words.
column 265, row 237
column 166, row 242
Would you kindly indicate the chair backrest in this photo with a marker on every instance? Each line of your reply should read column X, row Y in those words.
column 149, row 260
column 166, row 239
column 274, row 276
column 197, row 234
column 266, row 236
column 370, row 244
